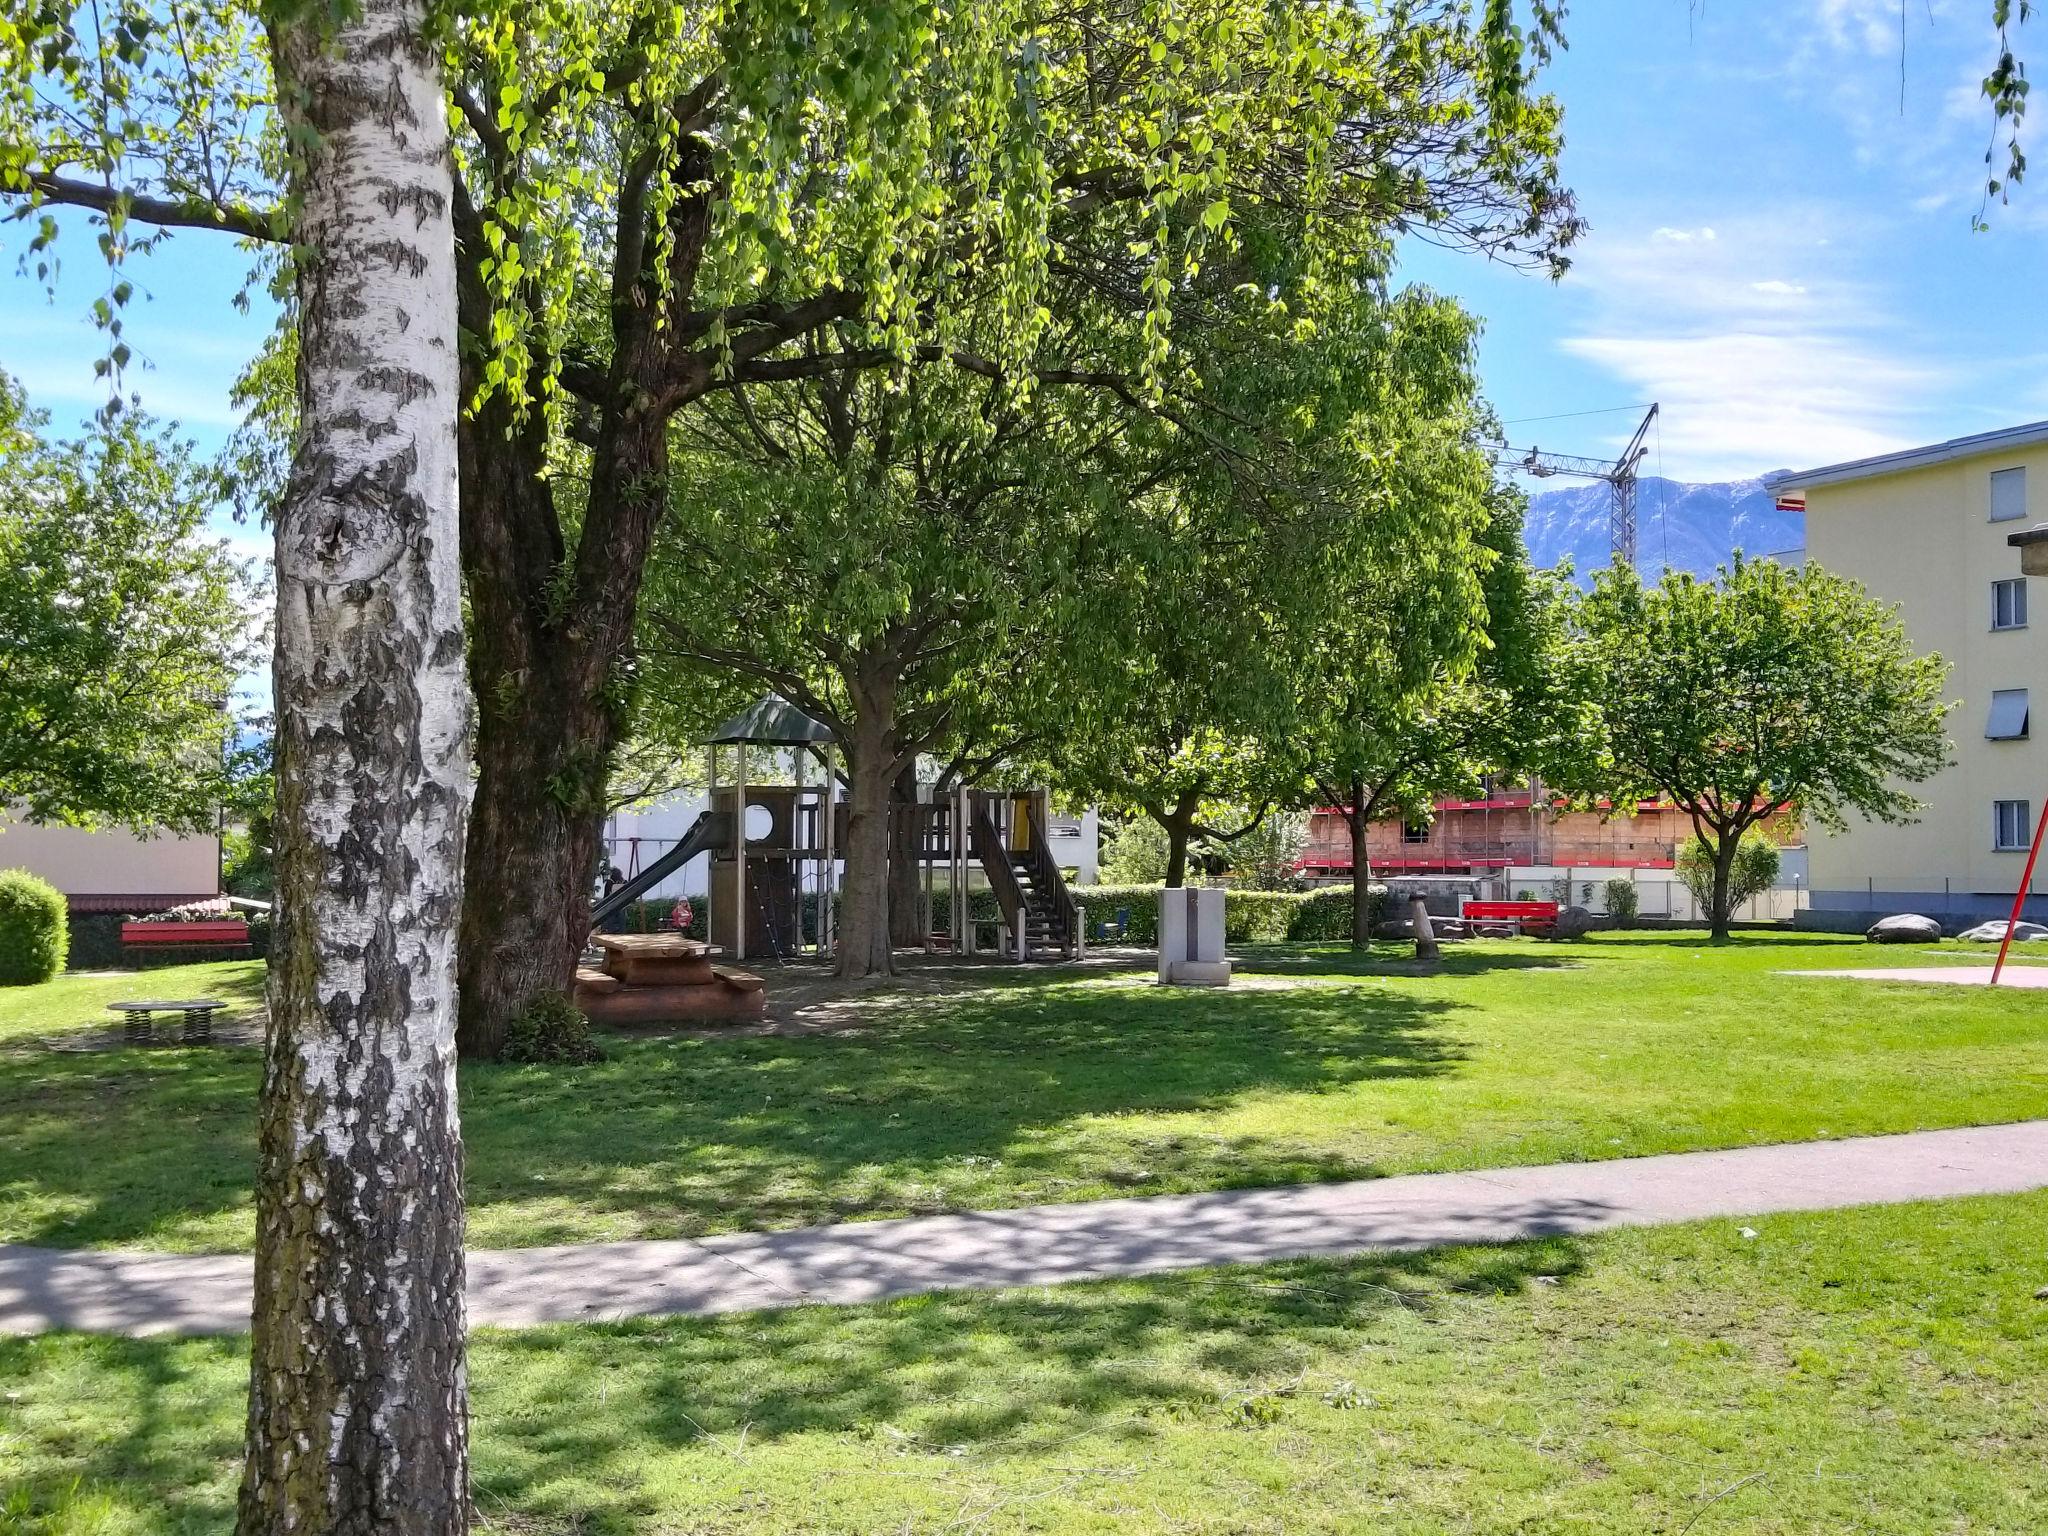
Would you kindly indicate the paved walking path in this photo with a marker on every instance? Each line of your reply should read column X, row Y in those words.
column 136, row 1293
column 2024, row 977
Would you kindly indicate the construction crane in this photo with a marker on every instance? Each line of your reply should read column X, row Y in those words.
column 1620, row 475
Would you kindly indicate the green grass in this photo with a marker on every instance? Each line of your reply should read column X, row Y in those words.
column 1872, row 1371
column 1037, row 1088
column 75, row 1002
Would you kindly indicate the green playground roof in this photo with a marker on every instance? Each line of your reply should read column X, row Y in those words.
column 770, row 721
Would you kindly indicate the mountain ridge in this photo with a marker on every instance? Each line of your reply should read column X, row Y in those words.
column 1679, row 526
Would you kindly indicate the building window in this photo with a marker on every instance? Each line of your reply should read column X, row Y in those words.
column 2009, row 603
column 1415, row 832
column 2009, row 824
column 2008, row 718
column 2008, row 495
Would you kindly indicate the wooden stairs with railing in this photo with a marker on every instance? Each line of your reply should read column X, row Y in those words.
column 1029, row 888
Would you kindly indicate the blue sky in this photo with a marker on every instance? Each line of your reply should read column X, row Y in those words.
column 1781, row 252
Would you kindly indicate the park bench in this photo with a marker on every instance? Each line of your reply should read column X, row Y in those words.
column 205, row 933
column 138, row 1017
column 1536, row 917
column 1112, row 930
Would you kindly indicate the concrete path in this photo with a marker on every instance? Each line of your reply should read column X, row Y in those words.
column 136, row 1293
column 2023, row 977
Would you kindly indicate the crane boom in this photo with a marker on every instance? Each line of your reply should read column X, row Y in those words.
column 1618, row 473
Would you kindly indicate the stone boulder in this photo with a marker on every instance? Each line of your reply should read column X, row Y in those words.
column 1577, row 922
column 1905, row 928
column 1994, row 933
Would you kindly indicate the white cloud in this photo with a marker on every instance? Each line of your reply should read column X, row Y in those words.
column 1869, row 27
column 1765, row 346
column 1672, row 236
column 1743, row 402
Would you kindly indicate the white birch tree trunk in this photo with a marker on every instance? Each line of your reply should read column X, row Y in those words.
column 357, row 1401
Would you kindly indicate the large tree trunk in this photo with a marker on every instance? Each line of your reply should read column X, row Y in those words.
column 909, row 913
column 547, row 667
column 1179, row 823
column 357, row 1402
column 1358, row 826
column 533, row 857
column 1719, row 913
column 863, row 911
column 871, row 750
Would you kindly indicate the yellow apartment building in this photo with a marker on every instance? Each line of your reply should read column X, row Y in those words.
column 1925, row 529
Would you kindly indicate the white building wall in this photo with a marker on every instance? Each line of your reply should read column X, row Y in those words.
column 112, row 864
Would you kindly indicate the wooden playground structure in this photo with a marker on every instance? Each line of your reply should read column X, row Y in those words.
column 775, row 834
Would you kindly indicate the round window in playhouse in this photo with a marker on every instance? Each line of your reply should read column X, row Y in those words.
column 760, row 822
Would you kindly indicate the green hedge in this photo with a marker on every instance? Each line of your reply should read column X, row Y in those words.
column 33, row 923
column 1249, row 917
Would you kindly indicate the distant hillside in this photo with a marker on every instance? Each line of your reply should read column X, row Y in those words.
column 1689, row 527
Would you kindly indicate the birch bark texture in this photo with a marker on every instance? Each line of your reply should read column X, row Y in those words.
column 357, row 1400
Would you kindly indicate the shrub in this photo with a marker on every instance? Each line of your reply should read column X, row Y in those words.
column 34, row 929
column 552, row 1031
column 247, row 864
column 1755, row 871
column 1622, row 902
column 1134, row 853
column 1268, row 857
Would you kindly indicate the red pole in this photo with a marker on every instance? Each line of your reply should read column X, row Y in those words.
column 2019, row 899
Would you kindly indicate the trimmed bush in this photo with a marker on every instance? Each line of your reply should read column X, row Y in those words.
column 34, row 929
column 1324, row 916
column 552, row 1031
column 1249, row 917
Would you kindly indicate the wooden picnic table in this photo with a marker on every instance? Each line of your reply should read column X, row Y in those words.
column 138, row 1022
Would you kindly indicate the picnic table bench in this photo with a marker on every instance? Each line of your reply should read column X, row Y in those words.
column 138, row 1022
column 221, row 934
column 1536, row 917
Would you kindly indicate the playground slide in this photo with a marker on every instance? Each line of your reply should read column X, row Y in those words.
column 711, row 830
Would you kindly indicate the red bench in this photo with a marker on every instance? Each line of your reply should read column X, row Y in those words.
column 153, row 935
column 1526, row 916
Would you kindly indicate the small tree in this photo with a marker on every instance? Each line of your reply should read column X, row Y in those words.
column 1134, row 852
column 1267, row 858
column 1754, row 871
column 1768, row 688
column 122, row 627
column 1623, row 901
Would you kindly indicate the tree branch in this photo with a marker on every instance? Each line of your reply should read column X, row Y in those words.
column 171, row 213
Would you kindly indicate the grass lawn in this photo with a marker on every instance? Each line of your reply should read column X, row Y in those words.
column 1040, row 1087
column 1874, row 1371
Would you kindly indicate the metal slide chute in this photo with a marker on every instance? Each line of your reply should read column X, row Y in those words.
column 711, row 830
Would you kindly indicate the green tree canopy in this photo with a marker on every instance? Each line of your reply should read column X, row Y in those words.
column 1275, row 613
column 1769, row 687
column 122, row 627
column 1507, row 699
column 658, row 202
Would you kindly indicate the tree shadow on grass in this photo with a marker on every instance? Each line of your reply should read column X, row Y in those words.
column 566, row 1421
column 115, row 1146
column 1006, row 1375
column 1460, row 958
column 997, row 1097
